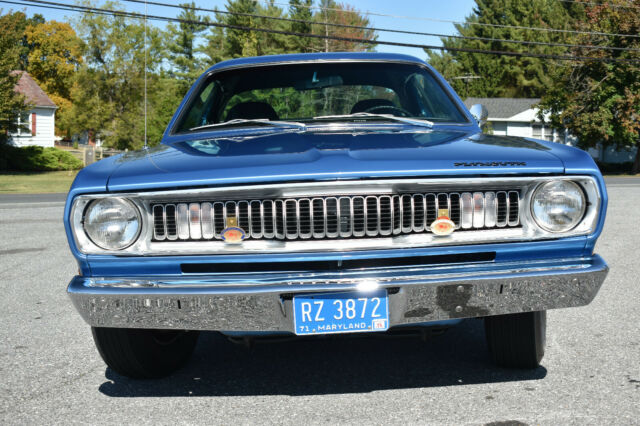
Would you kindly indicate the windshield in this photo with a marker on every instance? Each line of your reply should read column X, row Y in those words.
column 307, row 92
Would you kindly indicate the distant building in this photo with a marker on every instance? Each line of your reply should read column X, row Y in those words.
column 37, row 126
column 519, row 117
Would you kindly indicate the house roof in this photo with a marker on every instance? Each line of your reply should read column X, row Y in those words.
column 28, row 87
column 504, row 107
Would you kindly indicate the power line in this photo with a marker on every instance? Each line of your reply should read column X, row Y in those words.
column 332, row 24
column 318, row 36
column 448, row 21
column 67, row 9
column 78, row 8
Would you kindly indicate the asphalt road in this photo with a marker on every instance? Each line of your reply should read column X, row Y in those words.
column 51, row 373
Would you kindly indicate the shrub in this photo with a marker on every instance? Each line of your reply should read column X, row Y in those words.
column 615, row 168
column 36, row 159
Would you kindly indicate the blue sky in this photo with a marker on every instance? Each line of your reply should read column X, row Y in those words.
column 452, row 10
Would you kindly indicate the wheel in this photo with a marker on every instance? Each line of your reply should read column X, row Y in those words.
column 144, row 354
column 517, row 340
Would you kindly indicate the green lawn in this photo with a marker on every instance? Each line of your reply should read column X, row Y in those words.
column 30, row 183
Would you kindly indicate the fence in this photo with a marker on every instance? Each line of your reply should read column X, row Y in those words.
column 89, row 154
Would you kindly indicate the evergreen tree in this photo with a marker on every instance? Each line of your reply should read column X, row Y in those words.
column 240, row 43
column 182, row 47
column 301, row 10
column 507, row 76
column 225, row 43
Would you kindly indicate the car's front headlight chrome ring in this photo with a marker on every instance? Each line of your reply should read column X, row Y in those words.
column 112, row 223
column 558, row 206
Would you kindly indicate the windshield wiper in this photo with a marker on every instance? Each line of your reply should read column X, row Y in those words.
column 412, row 121
column 236, row 121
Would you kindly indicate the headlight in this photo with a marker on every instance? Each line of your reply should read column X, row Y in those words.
column 558, row 206
column 112, row 223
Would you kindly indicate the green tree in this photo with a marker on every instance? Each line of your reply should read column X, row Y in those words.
column 183, row 49
column 11, row 104
column 599, row 102
column 225, row 43
column 240, row 43
column 20, row 24
column 55, row 53
column 108, row 97
column 507, row 76
column 301, row 10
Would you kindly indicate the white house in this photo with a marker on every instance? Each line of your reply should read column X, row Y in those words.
column 37, row 127
column 519, row 117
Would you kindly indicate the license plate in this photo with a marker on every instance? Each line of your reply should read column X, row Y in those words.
column 343, row 312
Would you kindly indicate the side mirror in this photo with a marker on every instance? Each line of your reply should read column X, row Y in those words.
column 480, row 113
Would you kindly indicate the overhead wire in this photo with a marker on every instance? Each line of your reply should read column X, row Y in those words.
column 378, row 29
column 76, row 8
column 449, row 21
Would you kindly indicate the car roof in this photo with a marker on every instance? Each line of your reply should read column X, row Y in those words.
column 306, row 57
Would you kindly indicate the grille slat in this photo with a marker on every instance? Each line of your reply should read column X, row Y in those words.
column 159, row 223
column 513, row 205
column 350, row 216
column 502, row 209
column 170, row 222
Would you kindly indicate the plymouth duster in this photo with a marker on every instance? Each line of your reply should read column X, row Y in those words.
column 314, row 194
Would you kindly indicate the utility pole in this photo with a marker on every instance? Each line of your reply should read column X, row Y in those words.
column 466, row 78
column 326, row 32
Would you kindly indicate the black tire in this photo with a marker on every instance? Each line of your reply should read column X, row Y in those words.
column 517, row 340
column 144, row 354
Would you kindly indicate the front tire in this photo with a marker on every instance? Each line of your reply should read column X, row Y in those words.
column 144, row 354
column 517, row 340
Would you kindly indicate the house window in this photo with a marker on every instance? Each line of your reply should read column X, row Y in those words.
column 540, row 131
column 537, row 131
column 24, row 125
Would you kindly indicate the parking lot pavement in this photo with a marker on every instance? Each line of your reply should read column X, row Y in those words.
column 51, row 372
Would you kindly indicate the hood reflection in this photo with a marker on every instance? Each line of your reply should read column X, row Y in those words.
column 290, row 143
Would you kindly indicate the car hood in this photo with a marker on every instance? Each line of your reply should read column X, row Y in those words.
column 329, row 156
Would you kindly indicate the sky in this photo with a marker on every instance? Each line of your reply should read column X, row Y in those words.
column 407, row 15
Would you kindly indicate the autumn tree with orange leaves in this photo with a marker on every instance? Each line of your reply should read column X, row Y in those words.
column 331, row 12
column 55, row 53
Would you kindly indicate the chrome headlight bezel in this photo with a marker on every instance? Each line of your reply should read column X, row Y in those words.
column 122, row 205
column 85, row 243
column 575, row 221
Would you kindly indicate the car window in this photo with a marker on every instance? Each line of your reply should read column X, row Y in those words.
column 289, row 103
column 303, row 91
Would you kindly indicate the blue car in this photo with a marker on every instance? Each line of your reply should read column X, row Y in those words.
column 316, row 194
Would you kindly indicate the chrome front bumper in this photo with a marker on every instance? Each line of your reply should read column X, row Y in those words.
column 262, row 302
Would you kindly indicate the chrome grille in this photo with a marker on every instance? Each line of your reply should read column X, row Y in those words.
column 331, row 217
